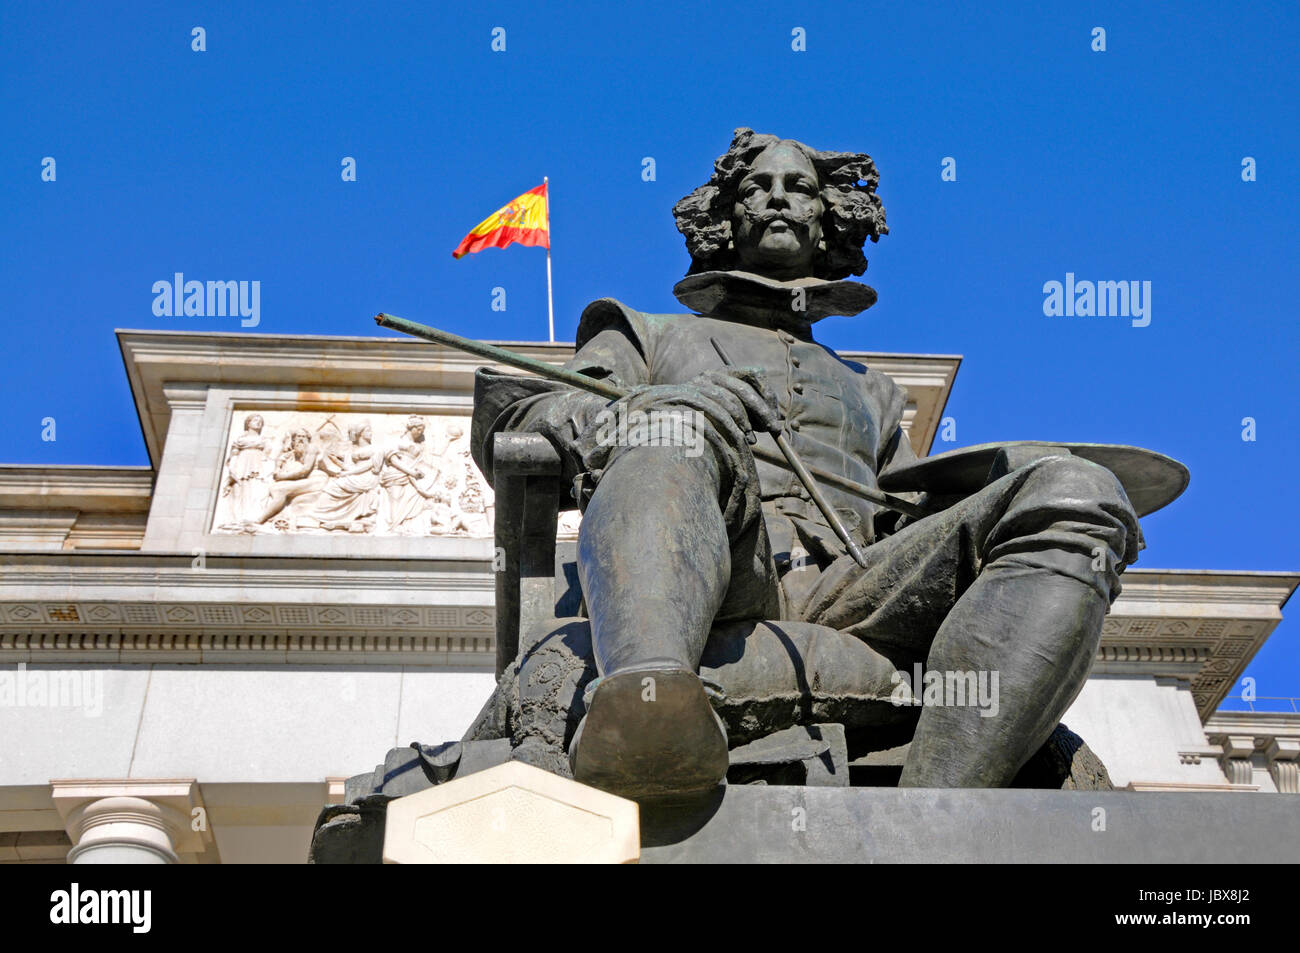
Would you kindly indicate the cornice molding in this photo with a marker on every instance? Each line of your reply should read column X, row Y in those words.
column 1262, row 725
column 154, row 359
column 1202, row 627
column 87, row 489
column 63, row 606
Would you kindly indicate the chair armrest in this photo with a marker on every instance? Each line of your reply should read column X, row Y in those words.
column 526, row 470
column 524, row 454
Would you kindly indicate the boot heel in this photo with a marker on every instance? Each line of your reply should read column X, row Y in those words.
column 650, row 733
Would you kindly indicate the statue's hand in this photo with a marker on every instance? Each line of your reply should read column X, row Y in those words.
column 736, row 399
column 744, row 394
column 728, row 404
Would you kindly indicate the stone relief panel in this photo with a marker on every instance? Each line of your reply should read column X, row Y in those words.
column 296, row 472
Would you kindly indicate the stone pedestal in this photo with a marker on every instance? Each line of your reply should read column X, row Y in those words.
column 546, row 818
column 513, row 813
column 748, row 824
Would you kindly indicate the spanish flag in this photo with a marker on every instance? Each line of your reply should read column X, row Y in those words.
column 526, row 221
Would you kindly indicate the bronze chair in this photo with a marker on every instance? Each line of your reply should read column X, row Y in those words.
column 536, row 577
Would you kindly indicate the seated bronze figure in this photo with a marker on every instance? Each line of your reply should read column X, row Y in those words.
column 720, row 603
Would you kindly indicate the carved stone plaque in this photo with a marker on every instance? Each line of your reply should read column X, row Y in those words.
column 370, row 474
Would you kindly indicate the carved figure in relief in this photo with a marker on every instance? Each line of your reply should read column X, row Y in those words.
column 405, row 479
column 445, row 518
column 350, row 498
column 246, row 467
column 295, row 474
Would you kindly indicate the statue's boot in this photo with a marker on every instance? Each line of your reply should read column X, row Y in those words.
column 1038, row 631
column 654, row 562
column 649, row 732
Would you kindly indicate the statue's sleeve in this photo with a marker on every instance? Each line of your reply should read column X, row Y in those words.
column 895, row 451
column 895, row 448
column 562, row 414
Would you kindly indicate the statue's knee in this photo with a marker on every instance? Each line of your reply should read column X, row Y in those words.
column 670, row 464
column 1075, row 483
column 1076, row 507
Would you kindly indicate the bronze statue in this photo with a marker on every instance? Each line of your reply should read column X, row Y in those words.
column 692, row 562
column 770, row 586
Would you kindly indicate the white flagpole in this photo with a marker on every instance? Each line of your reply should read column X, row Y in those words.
column 550, row 304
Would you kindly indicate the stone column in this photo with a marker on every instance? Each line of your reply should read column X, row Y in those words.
column 1284, row 764
column 134, row 822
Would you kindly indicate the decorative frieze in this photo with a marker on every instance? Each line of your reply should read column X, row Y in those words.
column 147, row 607
column 380, row 474
column 1224, row 619
column 118, row 617
column 467, row 648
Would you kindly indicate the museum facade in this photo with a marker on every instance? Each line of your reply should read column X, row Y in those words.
column 195, row 653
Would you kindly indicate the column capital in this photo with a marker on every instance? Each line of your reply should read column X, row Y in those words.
column 1237, row 746
column 141, row 816
column 1284, row 764
column 1283, row 749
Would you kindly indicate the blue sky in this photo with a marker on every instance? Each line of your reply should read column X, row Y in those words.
column 1116, row 165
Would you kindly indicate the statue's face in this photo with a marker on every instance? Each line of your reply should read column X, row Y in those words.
column 417, row 432
column 255, row 423
column 776, row 222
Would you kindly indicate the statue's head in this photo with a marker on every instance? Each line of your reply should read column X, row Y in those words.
column 780, row 209
column 254, row 423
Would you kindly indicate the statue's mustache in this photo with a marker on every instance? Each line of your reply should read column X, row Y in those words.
column 765, row 217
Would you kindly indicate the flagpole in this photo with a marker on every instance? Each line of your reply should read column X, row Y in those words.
column 550, row 304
